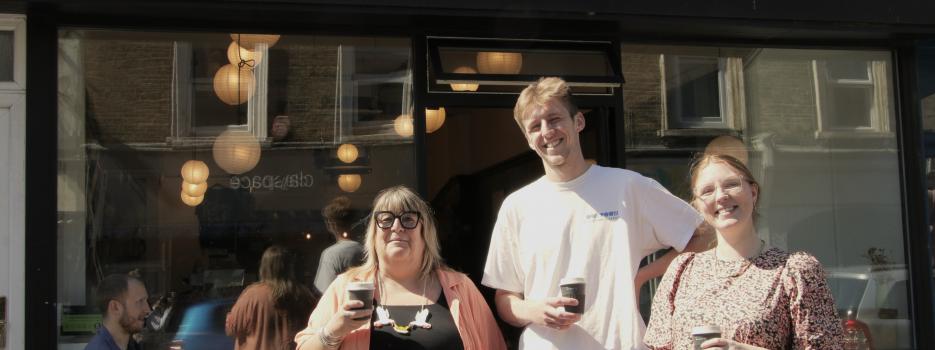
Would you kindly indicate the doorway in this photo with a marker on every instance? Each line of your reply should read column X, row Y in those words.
column 476, row 159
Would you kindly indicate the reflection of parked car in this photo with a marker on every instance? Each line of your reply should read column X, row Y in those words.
column 874, row 304
column 202, row 327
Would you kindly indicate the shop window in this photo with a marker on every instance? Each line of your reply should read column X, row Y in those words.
column 852, row 96
column 836, row 197
column 144, row 187
column 701, row 92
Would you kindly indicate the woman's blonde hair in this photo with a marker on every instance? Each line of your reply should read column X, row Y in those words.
column 400, row 199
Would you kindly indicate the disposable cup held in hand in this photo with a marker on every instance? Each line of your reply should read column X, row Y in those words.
column 573, row 288
column 362, row 291
column 702, row 334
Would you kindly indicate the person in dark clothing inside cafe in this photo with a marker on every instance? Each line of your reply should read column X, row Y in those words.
column 123, row 302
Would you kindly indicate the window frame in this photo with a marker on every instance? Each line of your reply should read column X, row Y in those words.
column 881, row 100
column 183, row 93
column 731, row 99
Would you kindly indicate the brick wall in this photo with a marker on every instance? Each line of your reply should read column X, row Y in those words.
column 128, row 90
column 642, row 98
column 129, row 86
column 311, row 91
column 780, row 97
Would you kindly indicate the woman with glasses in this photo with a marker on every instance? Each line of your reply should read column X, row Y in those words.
column 758, row 297
column 419, row 303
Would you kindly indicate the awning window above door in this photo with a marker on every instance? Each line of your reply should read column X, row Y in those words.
column 469, row 65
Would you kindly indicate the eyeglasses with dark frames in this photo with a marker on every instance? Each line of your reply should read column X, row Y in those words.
column 408, row 220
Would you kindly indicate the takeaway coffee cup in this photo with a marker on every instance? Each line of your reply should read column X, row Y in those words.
column 362, row 291
column 573, row 287
column 703, row 333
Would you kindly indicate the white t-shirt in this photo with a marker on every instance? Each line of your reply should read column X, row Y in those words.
column 598, row 226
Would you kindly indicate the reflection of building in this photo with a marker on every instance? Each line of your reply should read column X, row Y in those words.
column 833, row 133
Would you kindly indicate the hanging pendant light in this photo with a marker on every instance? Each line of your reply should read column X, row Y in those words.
column 195, row 171
column 347, row 153
column 434, row 119
column 236, row 151
column 191, row 201
column 403, row 125
column 233, row 84
column 237, row 54
column 349, row 182
column 249, row 41
column 194, row 189
column 499, row 62
column 464, row 87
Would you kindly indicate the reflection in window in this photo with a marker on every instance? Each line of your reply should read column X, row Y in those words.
column 136, row 106
column 852, row 93
column 815, row 125
column 693, row 91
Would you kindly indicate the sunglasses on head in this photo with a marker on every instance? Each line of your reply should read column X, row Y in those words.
column 408, row 220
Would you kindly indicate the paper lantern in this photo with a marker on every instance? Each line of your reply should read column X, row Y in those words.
column 347, row 153
column 403, row 125
column 233, row 85
column 499, row 62
column 195, row 171
column 191, row 201
column 464, row 87
column 249, row 41
column 236, row 151
column 434, row 119
column 236, row 54
column 194, row 190
column 349, row 182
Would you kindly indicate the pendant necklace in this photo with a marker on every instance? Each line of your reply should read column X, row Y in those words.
column 383, row 314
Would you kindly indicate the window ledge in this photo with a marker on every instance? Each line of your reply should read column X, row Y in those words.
column 700, row 132
column 854, row 134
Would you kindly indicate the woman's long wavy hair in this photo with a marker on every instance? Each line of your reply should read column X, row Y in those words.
column 277, row 270
column 398, row 199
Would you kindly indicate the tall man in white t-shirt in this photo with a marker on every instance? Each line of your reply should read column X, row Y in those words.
column 584, row 221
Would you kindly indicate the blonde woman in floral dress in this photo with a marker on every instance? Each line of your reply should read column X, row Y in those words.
column 760, row 297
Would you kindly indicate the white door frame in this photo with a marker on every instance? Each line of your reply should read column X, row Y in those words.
column 13, row 186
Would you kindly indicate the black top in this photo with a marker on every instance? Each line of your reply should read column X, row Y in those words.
column 442, row 335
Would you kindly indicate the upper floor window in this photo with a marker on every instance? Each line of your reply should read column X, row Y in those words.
column 701, row 92
column 851, row 95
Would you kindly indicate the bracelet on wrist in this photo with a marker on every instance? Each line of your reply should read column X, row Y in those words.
column 328, row 340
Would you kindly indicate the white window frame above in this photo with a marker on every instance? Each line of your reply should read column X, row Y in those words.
column 17, row 25
column 881, row 107
column 730, row 97
column 183, row 94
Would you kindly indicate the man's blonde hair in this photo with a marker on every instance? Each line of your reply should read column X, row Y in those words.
column 539, row 93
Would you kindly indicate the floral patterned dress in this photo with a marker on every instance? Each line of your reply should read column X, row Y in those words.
column 775, row 300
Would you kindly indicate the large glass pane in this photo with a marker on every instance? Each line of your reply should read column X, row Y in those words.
column 816, row 129
column 282, row 126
